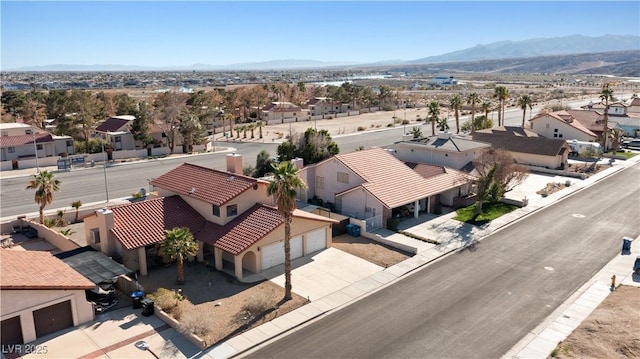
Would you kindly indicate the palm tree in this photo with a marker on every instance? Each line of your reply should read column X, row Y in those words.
column 473, row 99
column 501, row 93
column 259, row 124
column 178, row 244
column 456, row 105
column 605, row 95
column 434, row 112
column 283, row 188
column 486, row 107
column 76, row 205
column 523, row 102
column 45, row 185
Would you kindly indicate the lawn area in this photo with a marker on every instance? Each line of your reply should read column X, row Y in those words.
column 490, row 211
column 626, row 154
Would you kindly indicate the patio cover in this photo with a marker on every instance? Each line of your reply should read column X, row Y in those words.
column 94, row 265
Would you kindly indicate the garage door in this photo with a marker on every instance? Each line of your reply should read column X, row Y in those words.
column 272, row 255
column 11, row 331
column 316, row 240
column 296, row 247
column 53, row 318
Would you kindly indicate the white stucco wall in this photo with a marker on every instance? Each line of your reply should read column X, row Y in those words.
column 547, row 125
column 356, row 202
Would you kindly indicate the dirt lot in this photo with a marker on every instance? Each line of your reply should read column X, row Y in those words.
column 374, row 252
column 228, row 307
column 611, row 331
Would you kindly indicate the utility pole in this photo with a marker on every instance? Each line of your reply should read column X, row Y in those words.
column 35, row 147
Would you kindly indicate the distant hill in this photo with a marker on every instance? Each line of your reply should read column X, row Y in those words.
column 533, row 48
column 567, row 45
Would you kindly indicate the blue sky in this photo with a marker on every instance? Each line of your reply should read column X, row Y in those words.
column 166, row 33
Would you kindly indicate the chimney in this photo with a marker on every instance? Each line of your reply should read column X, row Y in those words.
column 105, row 225
column 444, row 135
column 234, row 163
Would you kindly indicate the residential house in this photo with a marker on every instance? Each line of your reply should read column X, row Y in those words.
column 21, row 141
column 323, row 106
column 283, row 111
column 527, row 147
column 231, row 216
column 634, row 106
column 444, row 149
column 116, row 130
column 578, row 125
column 39, row 295
column 374, row 185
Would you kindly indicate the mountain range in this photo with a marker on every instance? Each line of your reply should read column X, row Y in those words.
column 575, row 44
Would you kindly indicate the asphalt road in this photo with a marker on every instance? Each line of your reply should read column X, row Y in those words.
column 88, row 185
column 480, row 301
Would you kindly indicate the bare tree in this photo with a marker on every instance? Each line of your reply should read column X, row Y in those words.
column 170, row 108
column 497, row 174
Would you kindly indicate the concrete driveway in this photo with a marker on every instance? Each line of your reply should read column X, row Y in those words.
column 323, row 273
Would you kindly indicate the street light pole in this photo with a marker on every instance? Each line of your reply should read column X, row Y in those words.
column 35, row 147
column 104, row 168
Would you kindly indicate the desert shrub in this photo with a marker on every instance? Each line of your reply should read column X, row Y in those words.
column 166, row 298
column 361, row 128
column 193, row 321
column 257, row 304
column 397, row 120
column 405, row 122
column 178, row 311
column 50, row 222
column 389, row 124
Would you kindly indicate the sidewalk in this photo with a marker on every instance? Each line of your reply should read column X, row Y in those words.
column 535, row 345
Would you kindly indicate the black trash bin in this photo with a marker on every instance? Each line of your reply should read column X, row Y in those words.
column 147, row 307
column 137, row 298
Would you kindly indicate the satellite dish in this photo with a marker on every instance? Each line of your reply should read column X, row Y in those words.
column 143, row 192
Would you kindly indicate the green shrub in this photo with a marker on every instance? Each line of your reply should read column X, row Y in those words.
column 392, row 224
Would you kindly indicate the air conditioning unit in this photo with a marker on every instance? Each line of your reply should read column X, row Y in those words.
column 95, row 236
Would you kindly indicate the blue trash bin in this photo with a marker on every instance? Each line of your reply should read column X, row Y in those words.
column 137, row 299
column 626, row 245
column 350, row 229
column 356, row 231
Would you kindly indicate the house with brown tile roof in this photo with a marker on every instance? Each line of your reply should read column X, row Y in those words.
column 21, row 142
column 230, row 215
column 116, row 130
column 578, row 125
column 527, row 147
column 445, row 149
column 371, row 184
column 39, row 295
column 281, row 112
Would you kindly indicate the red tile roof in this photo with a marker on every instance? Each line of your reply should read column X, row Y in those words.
column 112, row 124
column 386, row 177
column 142, row 223
column 250, row 227
column 14, row 141
column 441, row 178
column 205, row 184
column 38, row 270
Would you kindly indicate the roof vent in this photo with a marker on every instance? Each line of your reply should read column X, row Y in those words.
column 230, row 179
column 193, row 190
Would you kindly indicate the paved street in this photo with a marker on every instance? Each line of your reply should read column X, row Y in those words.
column 479, row 302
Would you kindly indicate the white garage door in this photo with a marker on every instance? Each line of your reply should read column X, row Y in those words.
column 316, row 240
column 272, row 255
column 296, row 247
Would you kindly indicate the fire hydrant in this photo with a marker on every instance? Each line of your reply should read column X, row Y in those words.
column 613, row 282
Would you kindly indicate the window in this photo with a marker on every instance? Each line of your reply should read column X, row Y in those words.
column 118, row 139
column 69, row 143
column 555, row 135
column 28, row 132
column 39, row 146
column 547, row 125
column 320, row 182
column 11, row 149
column 4, row 133
column 232, row 210
column 343, row 177
column 216, row 210
column 555, row 130
column 560, row 135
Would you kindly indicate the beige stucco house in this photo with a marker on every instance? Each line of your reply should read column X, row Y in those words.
column 280, row 112
column 527, row 147
column 371, row 184
column 21, row 141
column 445, row 149
column 39, row 295
column 116, row 130
column 578, row 125
column 230, row 215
